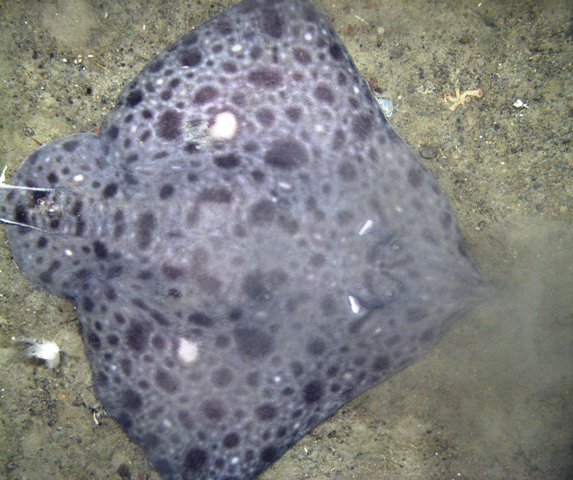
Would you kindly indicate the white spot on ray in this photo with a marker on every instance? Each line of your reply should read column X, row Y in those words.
column 187, row 351
column 354, row 304
column 224, row 127
column 367, row 226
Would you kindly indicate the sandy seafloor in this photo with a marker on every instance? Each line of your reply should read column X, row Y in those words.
column 494, row 399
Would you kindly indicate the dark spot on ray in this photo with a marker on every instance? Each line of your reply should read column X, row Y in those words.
column 70, row 146
column 52, row 178
column 109, row 190
column 381, row 363
column 415, row 177
column 324, row 94
column 94, row 340
column 145, row 227
column 253, row 343
column 253, row 379
column 112, row 132
column 195, row 460
column 155, row 65
column 288, row 224
column 269, row 454
column 347, row 171
column 169, row 124
column 416, row 314
column 362, row 126
column 166, row 381
column 134, row 98
column 229, row 67
column 166, row 191
column 316, row 347
column 265, row 117
column 100, row 250
column 190, row 57
column 266, row 412
column 222, row 341
column 159, row 318
column 189, row 38
column 88, row 304
column 191, row 148
column 272, row 23
column 302, row 56
column 216, row 195
column 294, row 114
column 255, row 52
column 47, row 275
column 158, row 342
column 171, row 272
column 328, row 306
column 132, row 400
column 21, row 215
column 208, row 284
column 137, row 335
column 313, row 392
column 235, row 314
column 462, row 249
column 200, row 319
column 265, row 78
column 262, row 212
column 222, row 377
column 317, row 260
column 214, row 409
column 205, row 94
column 231, row 440
column 258, row 176
column 336, row 51
column 126, row 366
column 186, row 419
column 286, row 154
column 427, row 336
column 297, row 368
column 227, row 161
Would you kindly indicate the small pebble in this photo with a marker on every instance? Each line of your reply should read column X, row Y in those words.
column 428, row 153
column 386, row 105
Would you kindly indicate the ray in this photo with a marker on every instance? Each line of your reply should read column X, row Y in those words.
column 249, row 244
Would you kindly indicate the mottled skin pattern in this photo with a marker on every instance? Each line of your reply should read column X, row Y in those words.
column 249, row 244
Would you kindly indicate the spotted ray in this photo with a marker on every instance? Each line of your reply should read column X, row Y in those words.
column 249, row 244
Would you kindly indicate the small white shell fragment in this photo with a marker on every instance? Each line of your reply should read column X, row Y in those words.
column 386, row 105
column 43, row 350
column 519, row 104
